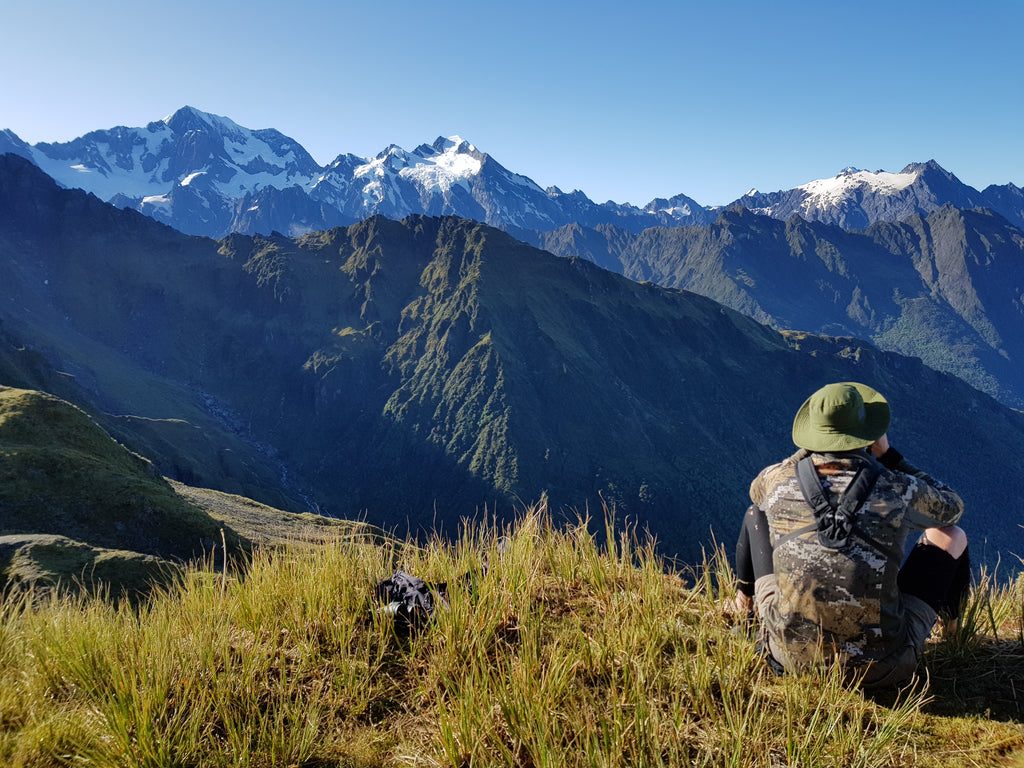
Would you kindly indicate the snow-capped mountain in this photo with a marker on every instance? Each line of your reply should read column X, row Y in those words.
column 205, row 174
column 855, row 199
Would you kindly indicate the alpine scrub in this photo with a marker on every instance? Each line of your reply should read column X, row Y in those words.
column 556, row 646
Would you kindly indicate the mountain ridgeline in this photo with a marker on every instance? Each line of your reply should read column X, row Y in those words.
column 414, row 373
column 916, row 261
column 947, row 287
column 206, row 175
column 856, row 199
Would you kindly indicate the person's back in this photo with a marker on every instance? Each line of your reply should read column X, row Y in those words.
column 821, row 599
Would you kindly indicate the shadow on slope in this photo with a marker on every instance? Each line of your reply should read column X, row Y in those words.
column 78, row 506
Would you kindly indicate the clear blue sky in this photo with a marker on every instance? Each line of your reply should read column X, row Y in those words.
column 623, row 100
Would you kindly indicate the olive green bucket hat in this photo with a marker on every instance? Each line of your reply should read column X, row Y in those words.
column 841, row 417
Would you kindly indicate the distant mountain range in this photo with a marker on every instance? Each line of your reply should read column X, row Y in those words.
column 856, row 199
column 947, row 287
column 206, row 175
column 889, row 260
column 203, row 174
column 413, row 373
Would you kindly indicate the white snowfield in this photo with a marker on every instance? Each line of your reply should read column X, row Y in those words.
column 831, row 191
column 239, row 162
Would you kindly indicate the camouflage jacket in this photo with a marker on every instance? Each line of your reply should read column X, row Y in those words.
column 843, row 603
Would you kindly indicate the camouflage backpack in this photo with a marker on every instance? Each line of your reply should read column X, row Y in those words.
column 829, row 583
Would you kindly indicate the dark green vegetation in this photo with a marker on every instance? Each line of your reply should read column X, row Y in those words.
column 415, row 373
column 947, row 287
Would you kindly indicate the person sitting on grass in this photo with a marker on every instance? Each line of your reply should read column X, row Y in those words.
column 820, row 556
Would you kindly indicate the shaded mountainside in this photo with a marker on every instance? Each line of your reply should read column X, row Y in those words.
column 411, row 373
column 77, row 506
column 947, row 287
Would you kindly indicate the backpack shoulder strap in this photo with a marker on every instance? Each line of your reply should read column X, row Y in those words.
column 811, row 487
column 860, row 487
column 835, row 522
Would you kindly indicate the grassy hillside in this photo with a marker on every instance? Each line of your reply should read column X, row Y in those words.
column 79, row 509
column 60, row 473
column 551, row 651
column 269, row 527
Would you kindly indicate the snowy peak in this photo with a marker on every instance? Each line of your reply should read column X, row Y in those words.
column 207, row 175
column 453, row 158
column 850, row 180
column 264, row 151
column 678, row 206
column 855, row 199
column 137, row 165
column 453, row 144
column 445, row 161
column 929, row 167
column 191, row 119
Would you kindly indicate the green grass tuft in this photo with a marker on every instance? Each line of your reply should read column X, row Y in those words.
column 553, row 650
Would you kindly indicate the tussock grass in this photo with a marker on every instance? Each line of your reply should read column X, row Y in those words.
column 553, row 649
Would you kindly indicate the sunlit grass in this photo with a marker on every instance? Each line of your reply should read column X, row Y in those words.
column 557, row 647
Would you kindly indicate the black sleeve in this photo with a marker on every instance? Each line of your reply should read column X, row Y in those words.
column 753, row 550
column 891, row 459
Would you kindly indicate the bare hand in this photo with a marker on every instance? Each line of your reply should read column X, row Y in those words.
column 880, row 446
column 741, row 605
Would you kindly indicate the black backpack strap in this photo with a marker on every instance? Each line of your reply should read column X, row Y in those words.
column 860, row 488
column 835, row 522
column 795, row 534
column 813, row 489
